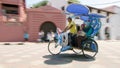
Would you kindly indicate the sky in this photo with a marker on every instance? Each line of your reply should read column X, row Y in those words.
column 93, row 3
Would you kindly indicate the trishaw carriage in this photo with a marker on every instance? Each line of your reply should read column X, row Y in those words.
column 88, row 46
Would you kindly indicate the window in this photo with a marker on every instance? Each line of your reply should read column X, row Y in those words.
column 10, row 13
column 10, row 9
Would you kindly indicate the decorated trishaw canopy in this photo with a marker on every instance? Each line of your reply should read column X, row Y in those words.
column 82, row 11
column 77, row 9
column 91, row 16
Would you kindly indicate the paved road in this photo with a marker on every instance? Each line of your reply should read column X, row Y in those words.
column 36, row 55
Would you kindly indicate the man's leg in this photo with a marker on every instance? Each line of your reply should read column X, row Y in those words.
column 69, row 46
column 73, row 41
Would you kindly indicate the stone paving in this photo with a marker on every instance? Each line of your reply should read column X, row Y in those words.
column 36, row 55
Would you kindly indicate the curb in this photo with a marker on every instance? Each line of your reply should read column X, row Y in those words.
column 9, row 43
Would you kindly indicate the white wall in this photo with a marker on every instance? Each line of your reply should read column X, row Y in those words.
column 115, row 24
column 58, row 3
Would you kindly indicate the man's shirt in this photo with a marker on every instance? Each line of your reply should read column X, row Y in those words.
column 73, row 29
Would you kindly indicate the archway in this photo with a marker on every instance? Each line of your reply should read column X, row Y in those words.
column 107, row 33
column 47, row 27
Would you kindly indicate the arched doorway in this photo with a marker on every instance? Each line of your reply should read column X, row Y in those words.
column 107, row 33
column 47, row 27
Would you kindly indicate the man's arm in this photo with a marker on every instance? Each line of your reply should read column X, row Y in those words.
column 67, row 28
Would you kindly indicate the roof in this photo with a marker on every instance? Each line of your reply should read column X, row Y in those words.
column 45, row 9
column 111, row 8
column 101, row 9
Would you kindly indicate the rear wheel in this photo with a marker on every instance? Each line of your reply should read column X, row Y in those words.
column 90, row 48
column 53, row 48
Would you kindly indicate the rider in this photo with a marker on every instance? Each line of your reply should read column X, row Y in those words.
column 81, row 35
column 73, row 30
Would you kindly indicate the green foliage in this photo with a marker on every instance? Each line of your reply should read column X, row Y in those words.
column 73, row 1
column 39, row 4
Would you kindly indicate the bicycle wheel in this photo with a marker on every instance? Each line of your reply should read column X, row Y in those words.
column 90, row 48
column 53, row 48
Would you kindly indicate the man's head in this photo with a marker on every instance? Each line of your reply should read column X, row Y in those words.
column 83, row 26
column 69, row 19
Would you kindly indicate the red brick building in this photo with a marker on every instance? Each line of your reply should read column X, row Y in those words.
column 15, row 20
column 44, row 18
column 12, row 18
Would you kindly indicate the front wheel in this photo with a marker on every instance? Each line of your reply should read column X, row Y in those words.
column 90, row 48
column 53, row 48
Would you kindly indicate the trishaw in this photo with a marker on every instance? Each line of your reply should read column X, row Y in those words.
column 89, row 46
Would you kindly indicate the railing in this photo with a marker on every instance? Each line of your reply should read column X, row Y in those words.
column 11, row 19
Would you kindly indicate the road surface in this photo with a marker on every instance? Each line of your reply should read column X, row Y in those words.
column 36, row 55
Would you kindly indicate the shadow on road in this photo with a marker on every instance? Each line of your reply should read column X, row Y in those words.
column 65, row 59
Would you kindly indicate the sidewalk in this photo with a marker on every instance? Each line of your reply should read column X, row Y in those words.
column 11, row 43
column 20, row 43
column 47, row 42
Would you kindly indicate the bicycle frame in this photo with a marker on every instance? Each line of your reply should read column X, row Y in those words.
column 62, row 39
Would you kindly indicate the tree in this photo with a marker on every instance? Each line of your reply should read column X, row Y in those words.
column 73, row 1
column 39, row 4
